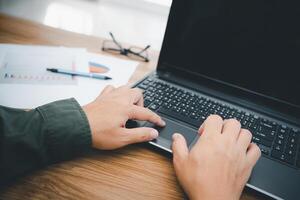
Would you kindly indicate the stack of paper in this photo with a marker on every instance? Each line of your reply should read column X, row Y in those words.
column 25, row 83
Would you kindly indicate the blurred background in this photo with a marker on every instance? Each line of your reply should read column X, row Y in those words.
column 137, row 22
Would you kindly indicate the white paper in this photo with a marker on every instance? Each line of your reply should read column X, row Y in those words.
column 120, row 72
column 33, row 94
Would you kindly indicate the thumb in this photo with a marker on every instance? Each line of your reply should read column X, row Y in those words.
column 180, row 149
column 142, row 134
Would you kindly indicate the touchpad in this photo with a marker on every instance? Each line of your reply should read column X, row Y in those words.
column 173, row 127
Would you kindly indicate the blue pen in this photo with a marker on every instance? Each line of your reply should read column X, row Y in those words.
column 75, row 73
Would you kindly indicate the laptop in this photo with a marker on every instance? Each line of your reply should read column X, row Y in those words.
column 237, row 59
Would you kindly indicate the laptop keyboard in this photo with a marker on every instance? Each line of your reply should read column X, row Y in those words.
column 276, row 141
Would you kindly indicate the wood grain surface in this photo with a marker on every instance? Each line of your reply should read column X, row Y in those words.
column 135, row 172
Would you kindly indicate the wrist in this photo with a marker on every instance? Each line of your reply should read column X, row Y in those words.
column 85, row 110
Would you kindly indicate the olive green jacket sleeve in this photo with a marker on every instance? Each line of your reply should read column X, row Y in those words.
column 32, row 139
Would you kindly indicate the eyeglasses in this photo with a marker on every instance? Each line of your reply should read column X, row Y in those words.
column 113, row 46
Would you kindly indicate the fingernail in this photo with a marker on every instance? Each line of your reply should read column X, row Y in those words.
column 162, row 122
column 175, row 136
column 200, row 127
column 154, row 133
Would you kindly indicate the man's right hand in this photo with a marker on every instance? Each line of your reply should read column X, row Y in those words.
column 220, row 163
column 110, row 111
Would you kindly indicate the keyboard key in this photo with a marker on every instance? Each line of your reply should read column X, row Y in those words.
column 143, row 86
column 290, row 152
column 279, row 141
column 267, row 136
column 282, row 136
column 283, row 157
column 193, row 115
column 153, row 106
column 262, row 141
column 184, row 112
column 268, row 125
column 294, row 137
column 147, row 102
column 295, row 132
column 291, row 146
column 278, row 147
column 265, row 150
column 292, row 140
column 283, row 130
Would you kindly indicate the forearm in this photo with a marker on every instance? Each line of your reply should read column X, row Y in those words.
column 48, row 134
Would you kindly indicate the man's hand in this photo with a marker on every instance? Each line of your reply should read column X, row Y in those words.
column 220, row 163
column 108, row 114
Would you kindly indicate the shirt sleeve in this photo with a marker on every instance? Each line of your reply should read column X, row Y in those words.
column 48, row 134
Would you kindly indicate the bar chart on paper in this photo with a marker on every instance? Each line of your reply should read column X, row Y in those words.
column 30, row 68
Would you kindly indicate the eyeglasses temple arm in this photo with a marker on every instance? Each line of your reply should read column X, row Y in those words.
column 145, row 49
column 110, row 49
column 115, row 41
column 139, row 55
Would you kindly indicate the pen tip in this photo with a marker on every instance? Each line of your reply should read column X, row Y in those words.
column 52, row 70
column 107, row 78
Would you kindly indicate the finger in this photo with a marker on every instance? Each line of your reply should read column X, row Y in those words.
column 201, row 129
column 212, row 126
column 123, row 87
column 134, row 95
column 142, row 134
column 144, row 114
column 244, row 139
column 127, row 85
column 180, row 149
column 137, row 97
column 231, row 129
column 107, row 89
column 140, row 102
column 253, row 154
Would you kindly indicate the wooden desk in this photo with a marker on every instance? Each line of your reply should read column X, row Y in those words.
column 135, row 172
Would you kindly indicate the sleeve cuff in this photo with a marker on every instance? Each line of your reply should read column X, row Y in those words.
column 67, row 131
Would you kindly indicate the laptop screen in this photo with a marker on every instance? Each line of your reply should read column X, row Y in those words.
column 252, row 44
